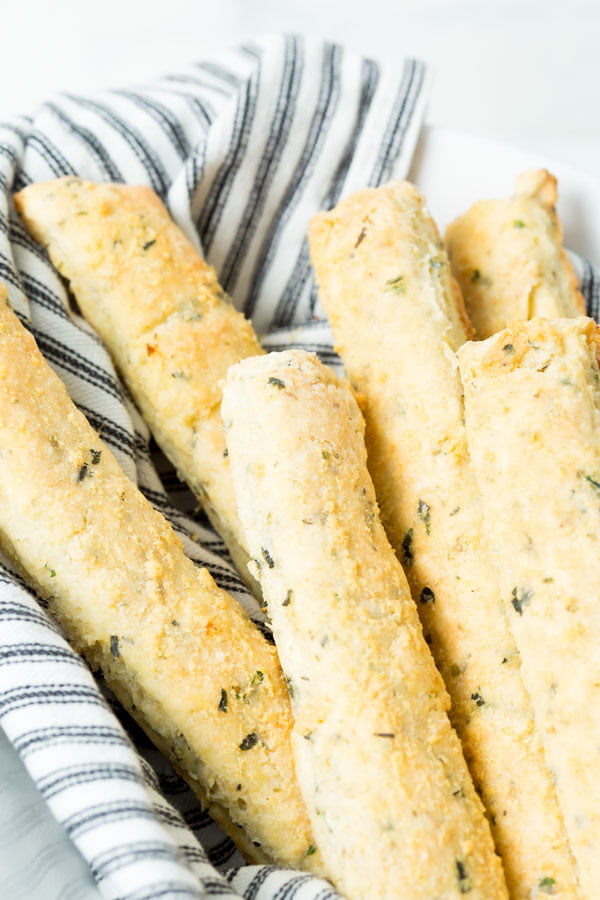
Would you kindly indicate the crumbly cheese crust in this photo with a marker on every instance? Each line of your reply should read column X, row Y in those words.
column 532, row 397
column 508, row 258
column 384, row 282
column 161, row 312
column 180, row 653
column 390, row 798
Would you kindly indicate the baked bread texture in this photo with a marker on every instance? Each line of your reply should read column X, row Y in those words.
column 180, row 654
column 532, row 396
column 508, row 258
column 161, row 312
column 398, row 319
column 392, row 805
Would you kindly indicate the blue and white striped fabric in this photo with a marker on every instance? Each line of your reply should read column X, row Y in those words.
column 589, row 282
column 243, row 148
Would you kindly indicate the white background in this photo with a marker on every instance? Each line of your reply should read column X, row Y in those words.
column 526, row 72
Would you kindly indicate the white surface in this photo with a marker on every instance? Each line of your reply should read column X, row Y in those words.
column 526, row 72
column 32, row 842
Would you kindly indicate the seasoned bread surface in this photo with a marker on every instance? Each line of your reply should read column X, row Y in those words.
column 180, row 653
column 533, row 420
column 391, row 801
column 508, row 258
column 160, row 310
column 397, row 320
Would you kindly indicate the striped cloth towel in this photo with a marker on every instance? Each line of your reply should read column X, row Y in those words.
column 243, row 148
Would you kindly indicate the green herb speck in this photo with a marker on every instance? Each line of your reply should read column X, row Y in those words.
column 407, row 547
column 547, row 885
column 478, row 699
column 95, row 454
column 593, row 482
column 257, row 677
column 427, row 595
column 277, row 382
column 223, row 701
column 288, row 598
column 148, row 244
column 326, row 454
column 476, row 275
column 396, row 284
column 311, row 849
column 84, row 470
column 464, row 882
column 268, row 558
column 52, row 571
column 114, row 646
column 424, row 513
column 518, row 223
column 362, row 235
column 508, row 348
column 249, row 741
column 519, row 602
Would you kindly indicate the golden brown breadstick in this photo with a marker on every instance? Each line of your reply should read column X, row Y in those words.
column 508, row 258
column 388, row 791
column 181, row 654
column 533, row 417
column 384, row 282
column 163, row 316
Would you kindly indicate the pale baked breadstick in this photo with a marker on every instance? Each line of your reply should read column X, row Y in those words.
column 166, row 321
column 508, row 258
column 387, row 788
column 397, row 319
column 181, row 654
column 532, row 398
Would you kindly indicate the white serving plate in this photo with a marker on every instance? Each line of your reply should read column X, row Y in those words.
column 453, row 170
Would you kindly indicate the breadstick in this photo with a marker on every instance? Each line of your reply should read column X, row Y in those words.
column 533, row 420
column 382, row 772
column 180, row 653
column 508, row 258
column 397, row 319
column 159, row 309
